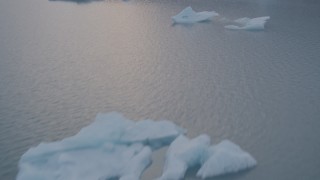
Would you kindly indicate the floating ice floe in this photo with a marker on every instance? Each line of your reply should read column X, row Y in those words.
column 183, row 154
column 253, row 24
column 113, row 147
column 189, row 16
column 225, row 157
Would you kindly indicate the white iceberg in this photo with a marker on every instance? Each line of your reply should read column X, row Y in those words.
column 189, row 16
column 245, row 23
column 111, row 147
column 183, row 154
column 225, row 157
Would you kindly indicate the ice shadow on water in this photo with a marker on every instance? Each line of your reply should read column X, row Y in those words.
column 78, row 1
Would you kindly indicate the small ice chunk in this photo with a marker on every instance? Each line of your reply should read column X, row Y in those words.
column 225, row 157
column 189, row 16
column 245, row 23
column 182, row 154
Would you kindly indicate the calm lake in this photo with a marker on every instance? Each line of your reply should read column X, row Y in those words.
column 62, row 62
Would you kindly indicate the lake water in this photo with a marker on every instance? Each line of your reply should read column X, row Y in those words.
column 62, row 62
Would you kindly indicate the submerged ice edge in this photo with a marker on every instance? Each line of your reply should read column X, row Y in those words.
column 116, row 147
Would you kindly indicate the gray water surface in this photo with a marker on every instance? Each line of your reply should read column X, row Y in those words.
column 62, row 62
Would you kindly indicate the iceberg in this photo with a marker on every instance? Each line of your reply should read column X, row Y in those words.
column 111, row 147
column 114, row 147
column 189, row 16
column 182, row 154
column 105, row 162
column 245, row 23
column 225, row 157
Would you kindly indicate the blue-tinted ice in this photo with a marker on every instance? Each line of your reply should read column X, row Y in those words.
column 116, row 147
column 188, row 15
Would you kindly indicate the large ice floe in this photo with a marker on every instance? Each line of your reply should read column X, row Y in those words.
column 114, row 147
column 111, row 147
column 188, row 15
column 254, row 24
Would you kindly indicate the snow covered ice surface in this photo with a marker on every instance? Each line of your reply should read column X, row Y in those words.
column 112, row 146
column 254, row 24
column 116, row 147
column 188, row 15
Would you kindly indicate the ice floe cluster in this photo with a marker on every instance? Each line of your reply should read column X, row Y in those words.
column 188, row 16
column 116, row 147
